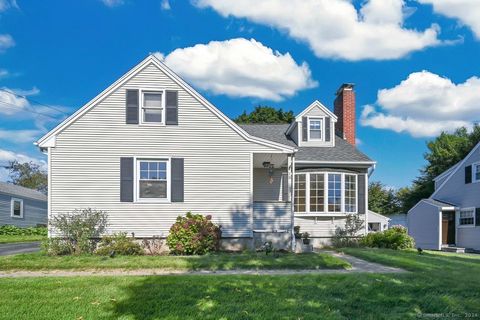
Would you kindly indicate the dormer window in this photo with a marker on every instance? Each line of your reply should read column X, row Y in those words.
column 315, row 129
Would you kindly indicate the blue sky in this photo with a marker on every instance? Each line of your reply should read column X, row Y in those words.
column 61, row 54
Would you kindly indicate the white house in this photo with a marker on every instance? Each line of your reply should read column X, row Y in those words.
column 150, row 148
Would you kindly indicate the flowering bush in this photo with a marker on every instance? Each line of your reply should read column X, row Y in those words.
column 119, row 244
column 394, row 238
column 194, row 234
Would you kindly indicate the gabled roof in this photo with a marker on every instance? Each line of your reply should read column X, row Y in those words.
column 314, row 104
column 370, row 212
column 342, row 152
column 21, row 192
column 46, row 139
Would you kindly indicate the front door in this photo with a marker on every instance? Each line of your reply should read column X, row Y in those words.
column 448, row 227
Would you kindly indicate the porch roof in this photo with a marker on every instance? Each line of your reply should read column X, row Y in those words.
column 438, row 203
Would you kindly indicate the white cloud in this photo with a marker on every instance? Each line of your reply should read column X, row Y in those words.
column 113, row 3
column 424, row 105
column 334, row 28
column 6, row 42
column 20, row 136
column 7, row 4
column 466, row 11
column 6, row 156
column 165, row 5
column 240, row 68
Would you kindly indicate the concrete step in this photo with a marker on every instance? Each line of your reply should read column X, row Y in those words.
column 453, row 249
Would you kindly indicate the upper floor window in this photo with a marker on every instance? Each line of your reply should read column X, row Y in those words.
column 467, row 217
column 476, row 172
column 153, row 180
column 152, row 107
column 315, row 128
column 16, row 209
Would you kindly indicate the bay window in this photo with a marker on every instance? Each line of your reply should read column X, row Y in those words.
column 322, row 192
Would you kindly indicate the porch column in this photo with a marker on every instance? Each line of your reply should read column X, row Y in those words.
column 291, row 192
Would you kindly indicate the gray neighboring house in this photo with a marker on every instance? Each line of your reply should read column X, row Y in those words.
column 451, row 216
column 150, row 148
column 21, row 206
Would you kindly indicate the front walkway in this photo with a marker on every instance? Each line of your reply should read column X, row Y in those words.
column 358, row 266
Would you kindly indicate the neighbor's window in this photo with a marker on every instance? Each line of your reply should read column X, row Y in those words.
column 153, row 179
column 17, row 208
column 317, row 192
column 334, row 192
column 316, row 128
column 300, row 193
column 350, row 193
column 476, row 171
column 467, row 217
column 152, row 107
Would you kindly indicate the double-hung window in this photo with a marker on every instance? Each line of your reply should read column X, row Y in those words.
column 152, row 107
column 315, row 128
column 350, row 193
column 16, row 208
column 467, row 217
column 334, row 192
column 153, row 179
column 476, row 172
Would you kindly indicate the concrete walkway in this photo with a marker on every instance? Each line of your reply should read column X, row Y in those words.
column 358, row 266
column 19, row 247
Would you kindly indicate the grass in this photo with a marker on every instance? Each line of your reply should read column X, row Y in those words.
column 438, row 286
column 20, row 238
column 222, row 261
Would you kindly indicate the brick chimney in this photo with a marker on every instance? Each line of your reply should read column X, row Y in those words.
column 344, row 109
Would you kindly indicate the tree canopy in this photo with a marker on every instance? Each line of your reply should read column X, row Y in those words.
column 28, row 175
column 382, row 199
column 265, row 114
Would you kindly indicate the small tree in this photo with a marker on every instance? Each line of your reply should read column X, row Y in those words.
column 28, row 175
column 348, row 236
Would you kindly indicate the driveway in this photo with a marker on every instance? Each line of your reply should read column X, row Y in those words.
column 21, row 247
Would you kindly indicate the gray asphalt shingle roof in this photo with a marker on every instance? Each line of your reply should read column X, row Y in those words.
column 343, row 151
column 21, row 192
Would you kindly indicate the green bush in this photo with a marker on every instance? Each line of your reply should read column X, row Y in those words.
column 77, row 232
column 8, row 230
column 120, row 244
column 194, row 234
column 57, row 247
column 393, row 238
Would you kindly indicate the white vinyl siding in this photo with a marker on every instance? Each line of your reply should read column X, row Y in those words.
column 85, row 163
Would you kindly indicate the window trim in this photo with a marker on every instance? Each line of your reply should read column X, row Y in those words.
column 322, row 119
column 12, row 203
column 140, row 107
column 342, row 211
column 137, row 197
column 474, row 175
column 472, row 209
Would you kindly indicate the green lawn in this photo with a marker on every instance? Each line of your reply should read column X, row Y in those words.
column 13, row 239
column 222, row 261
column 437, row 284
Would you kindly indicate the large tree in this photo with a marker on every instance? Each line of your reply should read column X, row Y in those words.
column 443, row 152
column 265, row 114
column 382, row 199
column 28, row 175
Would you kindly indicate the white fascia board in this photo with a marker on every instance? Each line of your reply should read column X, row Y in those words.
column 318, row 104
column 335, row 162
column 180, row 82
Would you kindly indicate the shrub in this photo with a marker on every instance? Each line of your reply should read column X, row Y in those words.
column 57, row 247
column 348, row 236
column 154, row 246
column 393, row 238
column 194, row 234
column 120, row 244
column 78, row 231
column 16, row 231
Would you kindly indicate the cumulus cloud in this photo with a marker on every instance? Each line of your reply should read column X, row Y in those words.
column 424, row 105
column 165, row 5
column 334, row 28
column 466, row 11
column 240, row 68
column 6, row 156
column 6, row 42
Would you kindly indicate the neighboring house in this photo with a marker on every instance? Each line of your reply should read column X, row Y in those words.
column 451, row 216
column 377, row 222
column 397, row 219
column 21, row 206
column 150, row 148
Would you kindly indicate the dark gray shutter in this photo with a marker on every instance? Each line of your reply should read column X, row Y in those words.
column 468, row 174
column 361, row 193
column 126, row 179
column 177, row 180
column 477, row 217
column 172, row 108
column 285, row 186
column 132, row 107
column 328, row 130
column 304, row 129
